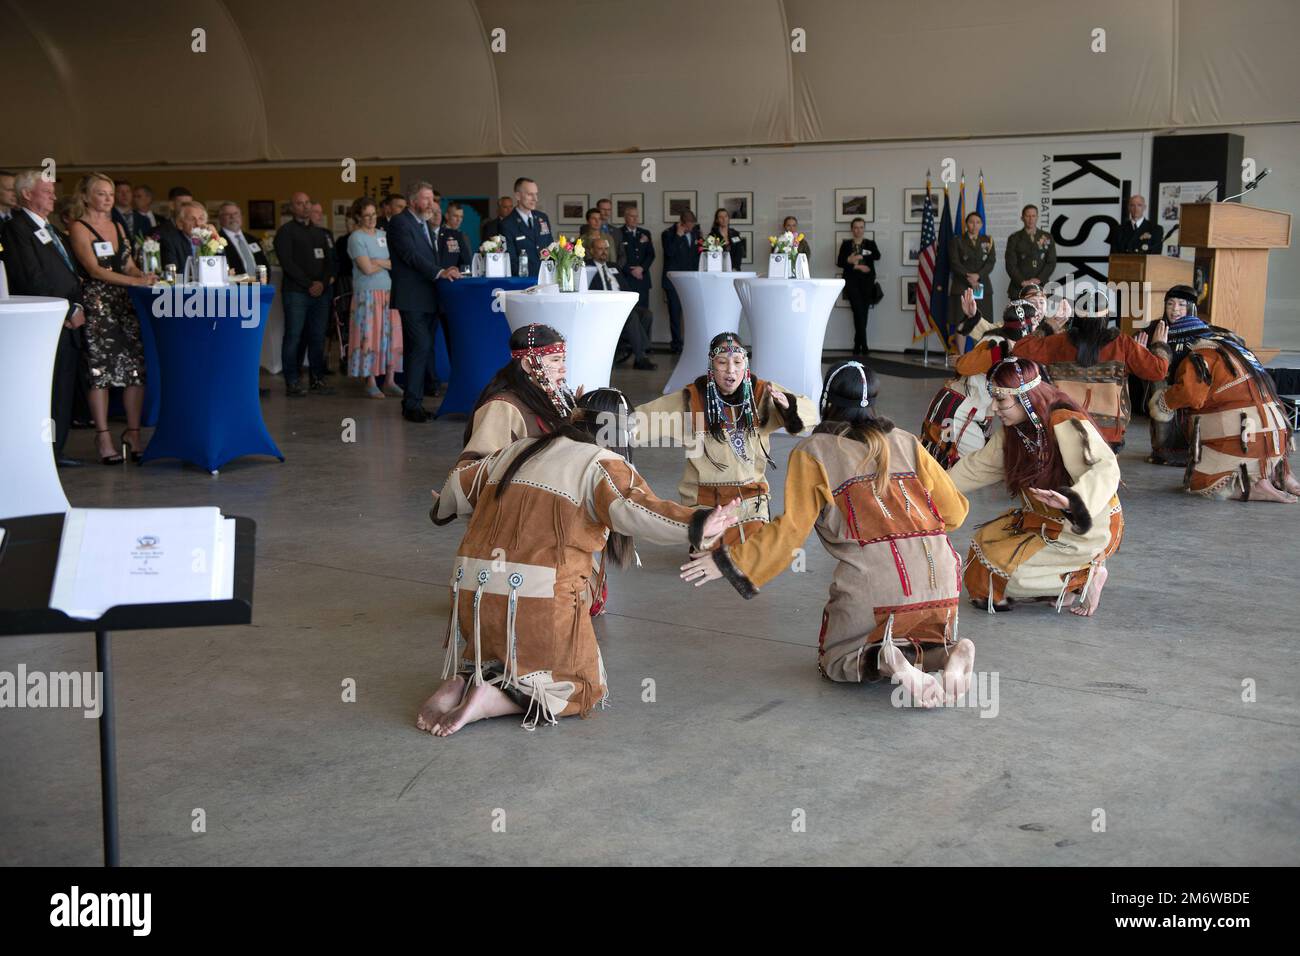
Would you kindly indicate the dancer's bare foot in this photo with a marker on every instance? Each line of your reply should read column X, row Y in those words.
column 957, row 672
column 1264, row 490
column 923, row 689
column 480, row 702
column 1088, row 607
column 446, row 697
column 1290, row 484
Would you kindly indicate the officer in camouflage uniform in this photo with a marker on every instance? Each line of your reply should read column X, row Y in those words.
column 970, row 255
column 1031, row 254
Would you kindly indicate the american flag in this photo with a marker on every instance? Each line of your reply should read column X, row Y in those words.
column 925, row 269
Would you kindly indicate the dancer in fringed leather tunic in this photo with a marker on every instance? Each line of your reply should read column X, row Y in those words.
column 520, row 589
column 725, row 420
column 1240, row 436
column 881, row 506
column 959, row 420
column 1050, row 455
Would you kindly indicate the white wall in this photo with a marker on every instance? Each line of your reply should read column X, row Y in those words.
column 1022, row 164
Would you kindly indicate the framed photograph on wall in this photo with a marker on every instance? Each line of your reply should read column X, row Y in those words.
column 261, row 214
column 855, row 202
column 907, row 293
column 739, row 206
column 624, row 201
column 914, row 204
column 911, row 251
column 747, row 244
column 678, row 201
column 571, row 208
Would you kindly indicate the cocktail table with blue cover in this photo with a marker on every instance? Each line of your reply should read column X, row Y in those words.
column 478, row 338
column 208, row 342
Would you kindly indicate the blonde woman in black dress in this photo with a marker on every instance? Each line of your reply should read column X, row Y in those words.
column 114, row 351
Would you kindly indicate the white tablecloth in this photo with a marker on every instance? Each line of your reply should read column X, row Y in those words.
column 29, row 338
column 709, row 307
column 590, row 322
column 787, row 318
column 273, row 340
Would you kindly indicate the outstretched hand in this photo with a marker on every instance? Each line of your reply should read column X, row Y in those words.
column 1160, row 334
column 721, row 518
column 701, row 570
column 1053, row 499
column 1141, row 339
column 779, row 397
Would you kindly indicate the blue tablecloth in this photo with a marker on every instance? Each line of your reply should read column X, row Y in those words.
column 207, row 343
column 478, row 338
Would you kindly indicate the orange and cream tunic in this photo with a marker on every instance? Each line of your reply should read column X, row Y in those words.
column 1101, row 389
column 520, row 587
column 715, row 474
column 500, row 420
column 1239, row 434
column 897, row 575
column 1034, row 551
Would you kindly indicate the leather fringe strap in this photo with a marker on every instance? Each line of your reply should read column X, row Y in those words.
column 453, row 627
column 477, row 679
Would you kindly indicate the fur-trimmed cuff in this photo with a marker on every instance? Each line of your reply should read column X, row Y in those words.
column 790, row 416
column 734, row 574
column 1161, row 350
column 1076, row 511
column 1158, row 409
column 696, row 533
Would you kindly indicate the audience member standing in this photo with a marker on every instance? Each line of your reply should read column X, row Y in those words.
column 8, row 196
column 680, row 255
column 416, row 268
column 306, row 255
column 142, row 202
column 606, row 222
column 375, row 331
column 1031, row 253
column 176, row 247
column 114, row 351
column 1138, row 234
column 972, row 258
column 635, row 255
column 590, row 233
column 857, row 258
column 455, row 248
column 123, row 211
column 390, row 207
column 730, row 238
column 39, row 262
column 633, row 341
column 527, row 230
column 243, row 253
column 492, row 227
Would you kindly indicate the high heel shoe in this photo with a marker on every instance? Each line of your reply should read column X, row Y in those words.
column 108, row 459
column 128, row 448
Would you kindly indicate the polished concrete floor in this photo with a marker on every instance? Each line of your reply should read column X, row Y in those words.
column 1119, row 740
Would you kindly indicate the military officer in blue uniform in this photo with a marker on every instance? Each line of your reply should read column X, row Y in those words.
column 635, row 256
column 527, row 230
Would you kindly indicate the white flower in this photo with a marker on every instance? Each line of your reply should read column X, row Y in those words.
column 151, row 245
column 495, row 244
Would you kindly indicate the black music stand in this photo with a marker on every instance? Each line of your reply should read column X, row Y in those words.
column 28, row 556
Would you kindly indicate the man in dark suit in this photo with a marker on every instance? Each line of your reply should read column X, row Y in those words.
column 607, row 279
column 38, row 261
column 453, row 246
column 1137, row 234
column 492, row 227
column 8, row 197
column 123, row 212
column 680, row 255
column 175, row 246
column 142, row 201
column 416, row 269
column 389, row 208
column 243, row 252
column 526, row 229
column 635, row 252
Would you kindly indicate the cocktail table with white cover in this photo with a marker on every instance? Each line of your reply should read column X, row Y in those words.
column 590, row 322
column 709, row 307
column 787, row 319
column 29, row 338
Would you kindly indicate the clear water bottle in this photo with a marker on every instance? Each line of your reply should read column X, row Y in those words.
column 523, row 263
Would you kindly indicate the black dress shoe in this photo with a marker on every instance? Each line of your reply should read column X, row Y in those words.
column 645, row 365
column 295, row 390
column 319, row 387
column 416, row 415
column 676, row 350
column 68, row 463
column 622, row 355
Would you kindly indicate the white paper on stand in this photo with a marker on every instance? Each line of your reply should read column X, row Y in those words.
column 121, row 556
column 777, row 267
column 801, row 270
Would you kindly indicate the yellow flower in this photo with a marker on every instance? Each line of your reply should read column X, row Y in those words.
column 561, row 240
column 800, row 238
column 577, row 248
column 772, row 239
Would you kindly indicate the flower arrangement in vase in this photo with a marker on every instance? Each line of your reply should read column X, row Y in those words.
column 568, row 257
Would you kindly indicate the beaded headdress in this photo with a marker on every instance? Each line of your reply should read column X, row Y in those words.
column 715, row 408
column 530, row 357
column 1021, row 391
column 837, row 400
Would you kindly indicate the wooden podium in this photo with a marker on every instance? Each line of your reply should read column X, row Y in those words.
column 1155, row 275
column 1231, row 268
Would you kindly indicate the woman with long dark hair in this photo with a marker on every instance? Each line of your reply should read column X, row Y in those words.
column 1050, row 455
column 725, row 420
column 520, row 590
column 881, row 506
column 1092, row 361
column 730, row 238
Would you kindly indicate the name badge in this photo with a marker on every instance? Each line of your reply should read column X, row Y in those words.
column 382, row 241
column 103, row 248
column 318, row 252
column 254, row 247
column 44, row 236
